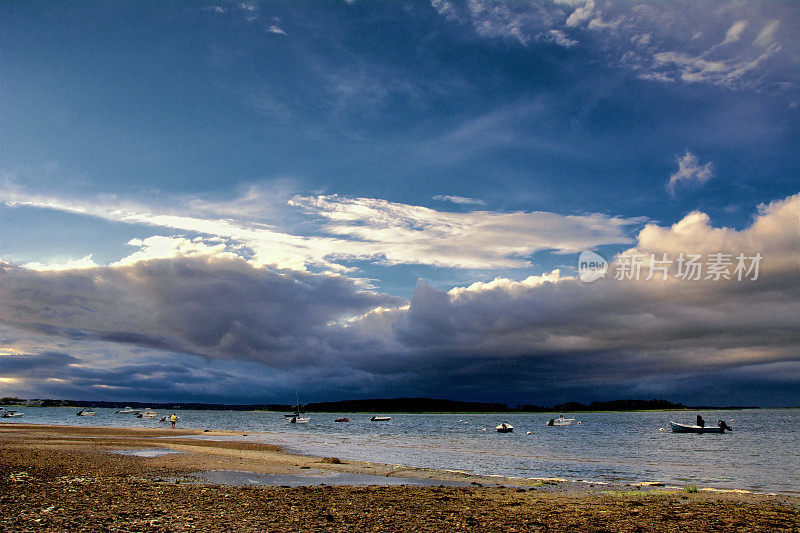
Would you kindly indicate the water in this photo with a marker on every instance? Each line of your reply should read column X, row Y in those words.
column 761, row 454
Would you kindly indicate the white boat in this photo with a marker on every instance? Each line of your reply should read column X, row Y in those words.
column 11, row 414
column 147, row 413
column 683, row 428
column 297, row 417
column 560, row 421
column 505, row 427
column 380, row 418
column 86, row 412
column 129, row 410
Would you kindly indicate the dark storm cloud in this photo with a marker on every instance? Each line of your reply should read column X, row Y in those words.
column 220, row 308
column 543, row 339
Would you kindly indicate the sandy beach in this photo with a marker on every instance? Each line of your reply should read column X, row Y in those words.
column 59, row 478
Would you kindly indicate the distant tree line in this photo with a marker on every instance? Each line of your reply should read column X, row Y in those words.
column 389, row 405
column 615, row 405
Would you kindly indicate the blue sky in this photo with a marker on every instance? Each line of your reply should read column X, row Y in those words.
column 355, row 148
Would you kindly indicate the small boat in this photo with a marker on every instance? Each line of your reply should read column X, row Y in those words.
column 86, row 412
column 505, row 427
column 11, row 414
column 342, row 420
column 147, row 413
column 296, row 417
column 560, row 421
column 129, row 411
column 380, row 418
column 683, row 428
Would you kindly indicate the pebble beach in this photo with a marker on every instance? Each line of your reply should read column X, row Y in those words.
column 62, row 478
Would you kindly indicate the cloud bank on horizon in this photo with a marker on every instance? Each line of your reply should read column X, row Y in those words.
column 395, row 206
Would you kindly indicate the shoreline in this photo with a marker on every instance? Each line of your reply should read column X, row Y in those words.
column 275, row 460
column 198, row 449
column 64, row 478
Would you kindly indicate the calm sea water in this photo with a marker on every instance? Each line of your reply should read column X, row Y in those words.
column 761, row 454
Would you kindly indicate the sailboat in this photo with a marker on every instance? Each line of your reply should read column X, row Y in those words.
column 297, row 417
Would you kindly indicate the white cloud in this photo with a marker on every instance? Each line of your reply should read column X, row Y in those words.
column 276, row 30
column 70, row 264
column 690, row 170
column 349, row 229
column 694, row 69
column 734, row 33
column 160, row 247
column 701, row 42
column 459, row 199
column 581, row 14
column 766, row 36
column 561, row 39
column 401, row 233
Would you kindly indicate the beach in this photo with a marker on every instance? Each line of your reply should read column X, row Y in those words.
column 62, row 478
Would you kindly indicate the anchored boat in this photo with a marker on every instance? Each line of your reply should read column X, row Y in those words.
column 561, row 421
column 683, row 428
column 505, row 427
column 129, row 410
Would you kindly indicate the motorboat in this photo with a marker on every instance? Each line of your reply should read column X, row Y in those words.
column 342, row 420
column 147, row 413
column 560, row 421
column 11, row 414
column 86, row 412
column 129, row 411
column 380, row 418
column 504, row 427
column 683, row 428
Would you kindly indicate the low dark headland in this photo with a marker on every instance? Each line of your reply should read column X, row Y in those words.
column 397, row 405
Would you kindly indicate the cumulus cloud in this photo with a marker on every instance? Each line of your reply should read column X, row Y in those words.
column 611, row 332
column 549, row 336
column 69, row 264
column 690, row 170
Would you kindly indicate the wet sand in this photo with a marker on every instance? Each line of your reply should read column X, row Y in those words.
column 58, row 478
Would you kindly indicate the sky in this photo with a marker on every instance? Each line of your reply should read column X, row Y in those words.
column 235, row 201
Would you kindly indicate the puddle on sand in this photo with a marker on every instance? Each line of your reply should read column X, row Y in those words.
column 235, row 477
column 153, row 452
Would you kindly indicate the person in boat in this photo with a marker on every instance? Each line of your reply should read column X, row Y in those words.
column 551, row 422
column 173, row 418
column 700, row 421
column 724, row 426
